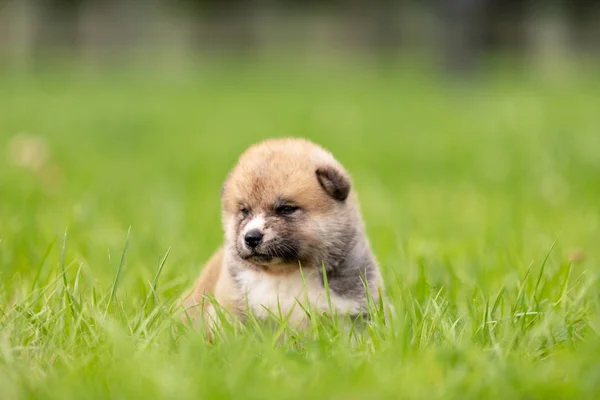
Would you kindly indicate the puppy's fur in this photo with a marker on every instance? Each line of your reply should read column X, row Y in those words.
column 300, row 199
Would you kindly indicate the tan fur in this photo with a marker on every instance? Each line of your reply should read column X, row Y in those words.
column 326, row 228
column 214, row 283
column 295, row 178
column 206, row 282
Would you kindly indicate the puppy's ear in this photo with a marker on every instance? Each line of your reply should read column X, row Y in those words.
column 335, row 182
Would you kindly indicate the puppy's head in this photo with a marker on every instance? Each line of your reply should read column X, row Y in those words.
column 287, row 201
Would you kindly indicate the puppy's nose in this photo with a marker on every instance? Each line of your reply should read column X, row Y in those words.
column 253, row 238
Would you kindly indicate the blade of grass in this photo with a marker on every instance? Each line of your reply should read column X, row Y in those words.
column 541, row 273
column 113, row 289
column 41, row 264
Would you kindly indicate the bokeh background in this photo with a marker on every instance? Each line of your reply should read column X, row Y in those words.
column 471, row 129
column 456, row 33
column 470, row 126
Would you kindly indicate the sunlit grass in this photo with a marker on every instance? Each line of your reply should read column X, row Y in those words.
column 481, row 204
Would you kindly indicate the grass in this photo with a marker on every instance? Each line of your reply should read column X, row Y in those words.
column 481, row 202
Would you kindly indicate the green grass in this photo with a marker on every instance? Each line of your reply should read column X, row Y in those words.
column 474, row 197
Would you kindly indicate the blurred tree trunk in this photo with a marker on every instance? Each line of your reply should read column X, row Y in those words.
column 16, row 33
column 227, row 24
column 385, row 35
column 372, row 25
column 460, row 34
column 504, row 23
column 584, row 23
column 56, row 28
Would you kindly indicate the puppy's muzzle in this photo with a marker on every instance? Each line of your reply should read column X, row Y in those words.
column 253, row 238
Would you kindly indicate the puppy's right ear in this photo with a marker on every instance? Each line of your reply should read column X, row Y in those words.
column 335, row 183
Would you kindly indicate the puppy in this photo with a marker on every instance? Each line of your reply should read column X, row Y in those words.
column 293, row 228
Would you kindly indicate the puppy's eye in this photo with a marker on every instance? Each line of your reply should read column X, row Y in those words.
column 245, row 211
column 286, row 210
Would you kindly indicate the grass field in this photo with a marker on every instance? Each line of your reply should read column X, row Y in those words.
column 482, row 203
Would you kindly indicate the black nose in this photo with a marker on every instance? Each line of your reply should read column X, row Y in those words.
column 253, row 238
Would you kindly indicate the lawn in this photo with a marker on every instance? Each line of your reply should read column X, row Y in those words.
column 482, row 203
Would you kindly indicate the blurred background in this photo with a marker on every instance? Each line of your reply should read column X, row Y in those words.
column 455, row 34
column 471, row 127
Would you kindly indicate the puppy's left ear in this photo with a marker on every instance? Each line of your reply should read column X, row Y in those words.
column 335, row 182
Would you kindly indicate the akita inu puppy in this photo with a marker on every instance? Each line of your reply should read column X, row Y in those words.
column 292, row 227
